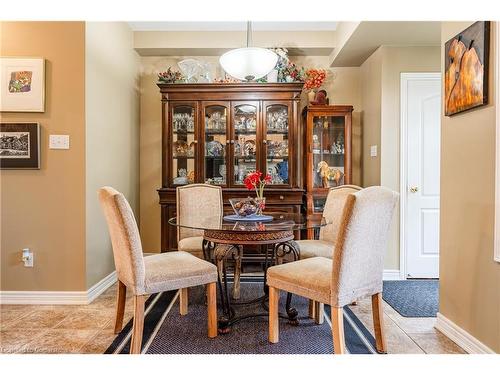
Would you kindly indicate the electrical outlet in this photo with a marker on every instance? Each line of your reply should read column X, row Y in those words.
column 373, row 151
column 27, row 257
column 59, row 142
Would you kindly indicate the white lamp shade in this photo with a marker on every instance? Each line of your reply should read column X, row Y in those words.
column 248, row 63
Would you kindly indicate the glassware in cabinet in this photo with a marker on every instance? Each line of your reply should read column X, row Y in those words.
column 184, row 144
column 216, row 143
column 328, row 151
column 276, row 142
column 245, row 129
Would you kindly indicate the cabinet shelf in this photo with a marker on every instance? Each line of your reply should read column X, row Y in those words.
column 284, row 132
column 183, row 132
column 277, row 157
column 183, row 157
column 318, row 152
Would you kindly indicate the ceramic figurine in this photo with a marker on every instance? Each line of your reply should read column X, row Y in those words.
column 320, row 98
column 329, row 174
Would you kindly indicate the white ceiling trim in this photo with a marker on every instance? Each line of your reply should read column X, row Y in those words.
column 232, row 26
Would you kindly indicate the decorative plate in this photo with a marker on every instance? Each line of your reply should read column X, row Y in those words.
column 214, row 148
column 253, row 218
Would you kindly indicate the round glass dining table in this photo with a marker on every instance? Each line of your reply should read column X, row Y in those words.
column 224, row 243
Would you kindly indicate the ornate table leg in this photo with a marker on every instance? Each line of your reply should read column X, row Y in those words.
column 280, row 251
column 237, row 272
column 221, row 252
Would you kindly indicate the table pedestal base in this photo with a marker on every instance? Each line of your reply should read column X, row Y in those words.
column 220, row 253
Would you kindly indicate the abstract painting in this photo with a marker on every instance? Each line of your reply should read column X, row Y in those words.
column 466, row 69
column 19, row 146
column 22, row 84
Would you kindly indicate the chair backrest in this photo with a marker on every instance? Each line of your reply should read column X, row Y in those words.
column 197, row 204
column 358, row 260
column 125, row 238
column 332, row 212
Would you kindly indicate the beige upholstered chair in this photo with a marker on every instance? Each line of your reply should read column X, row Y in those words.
column 196, row 204
column 332, row 212
column 151, row 274
column 323, row 247
column 354, row 272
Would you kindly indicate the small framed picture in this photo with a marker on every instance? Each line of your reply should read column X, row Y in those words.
column 20, row 145
column 22, row 84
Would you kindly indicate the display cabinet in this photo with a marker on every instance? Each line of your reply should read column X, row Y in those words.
column 218, row 133
column 327, row 153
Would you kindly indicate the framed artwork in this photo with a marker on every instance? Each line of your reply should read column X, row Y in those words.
column 22, row 84
column 466, row 69
column 20, row 145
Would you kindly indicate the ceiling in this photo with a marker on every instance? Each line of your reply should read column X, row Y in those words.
column 232, row 26
column 369, row 35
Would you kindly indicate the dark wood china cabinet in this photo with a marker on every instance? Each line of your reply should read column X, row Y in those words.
column 327, row 152
column 217, row 133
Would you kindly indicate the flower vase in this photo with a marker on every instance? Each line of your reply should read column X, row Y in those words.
column 261, row 205
column 272, row 76
column 311, row 95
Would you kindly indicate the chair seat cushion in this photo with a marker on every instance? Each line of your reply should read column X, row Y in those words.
column 193, row 245
column 310, row 278
column 176, row 270
column 315, row 248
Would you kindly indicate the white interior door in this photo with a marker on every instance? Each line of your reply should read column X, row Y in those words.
column 421, row 129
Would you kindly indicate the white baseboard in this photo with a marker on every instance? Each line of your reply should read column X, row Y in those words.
column 392, row 275
column 57, row 298
column 97, row 289
column 86, row 297
column 461, row 337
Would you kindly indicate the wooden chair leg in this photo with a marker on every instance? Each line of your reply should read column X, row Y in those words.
column 312, row 313
column 121, row 295
column 338, row 330
column 183, row 301
column 136, row 344
column 274, row 298
column 378, row 322
column 212, row 309
column 319, row 316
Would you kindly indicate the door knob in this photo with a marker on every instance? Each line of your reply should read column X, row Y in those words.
column 414, row 189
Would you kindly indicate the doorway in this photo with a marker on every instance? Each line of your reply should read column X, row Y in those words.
column 420, row 174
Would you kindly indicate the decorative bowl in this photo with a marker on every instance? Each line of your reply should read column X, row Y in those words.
column 244, row 207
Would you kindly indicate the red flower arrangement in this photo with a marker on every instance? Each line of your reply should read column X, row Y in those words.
column 255, row 181
column 314, row 78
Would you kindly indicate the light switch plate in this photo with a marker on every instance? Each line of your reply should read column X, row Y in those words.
column 373, row 151
column 59, row 142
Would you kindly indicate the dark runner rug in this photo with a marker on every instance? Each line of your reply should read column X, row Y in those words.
column 167, row 332
column 413, row 298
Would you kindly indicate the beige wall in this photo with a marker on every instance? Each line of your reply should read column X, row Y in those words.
column 381, row 77
column 397, row 60
column 470, row 278
column 344, row 89
column 112, row 132
column 45, row 209
column 371, row 103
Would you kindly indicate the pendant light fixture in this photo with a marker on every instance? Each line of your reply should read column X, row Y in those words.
column 249, row 63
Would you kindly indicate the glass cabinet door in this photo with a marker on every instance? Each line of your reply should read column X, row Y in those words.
column 277, row 118
column 328, row 149
column 215, row 130
column 245, row 153
column 184, row 144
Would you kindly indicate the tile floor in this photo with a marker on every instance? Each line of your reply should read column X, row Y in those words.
column 89, row 329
